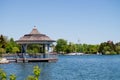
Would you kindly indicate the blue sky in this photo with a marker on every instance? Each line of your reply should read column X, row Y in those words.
column 90, row 21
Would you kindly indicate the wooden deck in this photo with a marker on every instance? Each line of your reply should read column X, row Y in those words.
column 33, row 60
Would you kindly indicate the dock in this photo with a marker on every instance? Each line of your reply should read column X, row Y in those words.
column 36, row 58
column 33, row 60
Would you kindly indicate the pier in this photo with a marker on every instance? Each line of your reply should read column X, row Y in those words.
column 32, row 58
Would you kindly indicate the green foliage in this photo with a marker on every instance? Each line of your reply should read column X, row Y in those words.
column 12, row 46
column 36, row 75
column 34, row 48
column 36, row 71
column 3, row 75
column 105, row 48
column 3, row 41
column 2, row 50
column 9, row 46
column 15, row 49
column 61, row 46
column 118, row 47
column 12, row 77
column 30, row 78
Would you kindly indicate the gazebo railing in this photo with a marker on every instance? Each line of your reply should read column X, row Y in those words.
column 40, row 55
column 26, row 55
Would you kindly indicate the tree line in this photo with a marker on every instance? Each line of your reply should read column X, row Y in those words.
column 8, row 45
column 108, row 47
column 62, row 46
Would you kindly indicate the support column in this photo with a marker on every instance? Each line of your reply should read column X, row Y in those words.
column 48, row 48
column 23, row 49
column 44, row 51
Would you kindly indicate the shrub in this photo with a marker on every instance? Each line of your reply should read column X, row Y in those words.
column 36, row 71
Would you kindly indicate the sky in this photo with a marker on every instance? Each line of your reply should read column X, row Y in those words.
column 78, row 21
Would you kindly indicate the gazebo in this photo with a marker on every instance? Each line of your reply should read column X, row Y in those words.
column 35, row 37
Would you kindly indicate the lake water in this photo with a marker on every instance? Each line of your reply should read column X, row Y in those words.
column 86, row 67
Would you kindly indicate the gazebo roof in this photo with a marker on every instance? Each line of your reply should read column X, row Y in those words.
column 34, row 37
column 34, row 31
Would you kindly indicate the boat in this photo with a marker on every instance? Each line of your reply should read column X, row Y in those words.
column 75, row 54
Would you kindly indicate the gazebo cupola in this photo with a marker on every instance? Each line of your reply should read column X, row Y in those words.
column 35, row 37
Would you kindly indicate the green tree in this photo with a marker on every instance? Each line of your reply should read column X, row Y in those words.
column 93, row 49
column 12, row 42
column 85, row 48
column 8, row 47
column 107, row 48
column 2, row 50
column 34, row 48
column 12, row 46
column 61, row 46
column 3, row 41
column 15, row 49
column 117, row 46
column 71, row 47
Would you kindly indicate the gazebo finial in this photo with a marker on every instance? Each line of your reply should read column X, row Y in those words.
column 35, row 27
column 35, row 31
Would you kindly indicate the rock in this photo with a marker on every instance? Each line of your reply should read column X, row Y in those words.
column 3, row 61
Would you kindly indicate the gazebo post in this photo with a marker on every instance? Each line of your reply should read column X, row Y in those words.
column 44, row 51
column 48, row 47
column 23, row 49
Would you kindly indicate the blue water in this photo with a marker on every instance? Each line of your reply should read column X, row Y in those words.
column 87, row 67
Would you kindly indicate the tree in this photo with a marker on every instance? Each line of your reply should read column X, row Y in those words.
column 2, row 41
column 93, row 49
column 12, row 46
column 107, row 48
column 2, row 50
column 34, row 48
column 117, row 46
column 9, row 47
column 61, row 46
column 15, row 49
column 85, row 48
